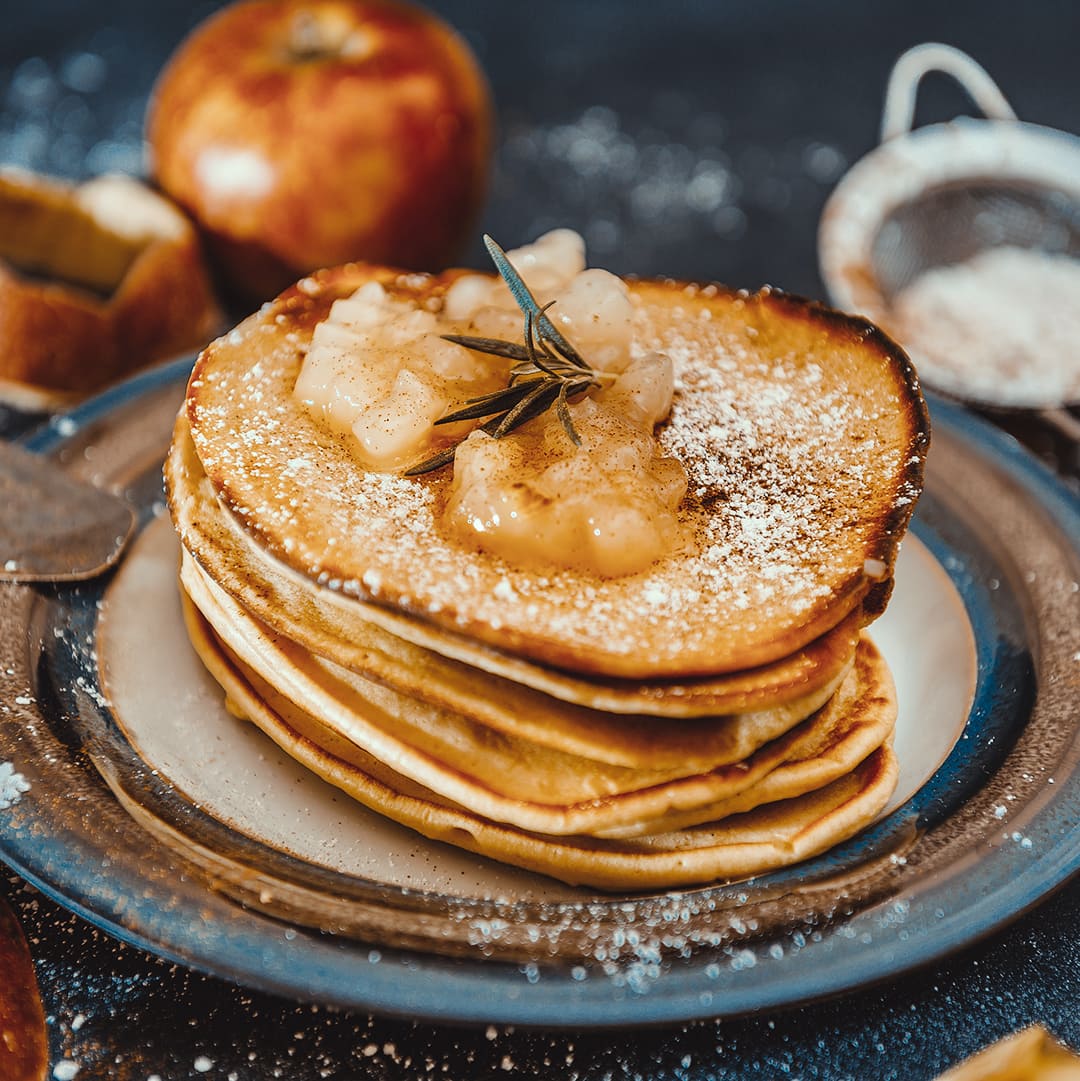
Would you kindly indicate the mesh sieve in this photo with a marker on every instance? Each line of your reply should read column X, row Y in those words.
column 940, row 196
column 952, row 223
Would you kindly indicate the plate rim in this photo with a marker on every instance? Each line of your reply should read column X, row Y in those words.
column 480, row 990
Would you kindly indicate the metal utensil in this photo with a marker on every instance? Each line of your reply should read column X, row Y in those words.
column 24, row 1046
column 942, row 195
column 54, row 528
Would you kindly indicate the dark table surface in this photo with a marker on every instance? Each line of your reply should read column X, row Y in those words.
column 691, row 139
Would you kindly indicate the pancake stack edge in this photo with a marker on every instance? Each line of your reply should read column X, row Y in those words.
column 612, row 779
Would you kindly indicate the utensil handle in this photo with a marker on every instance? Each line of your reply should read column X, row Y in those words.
column 898, row 115
column 1063, row 422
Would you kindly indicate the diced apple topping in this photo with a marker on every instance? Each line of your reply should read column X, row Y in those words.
column 643, row 391
column 608, row 507
column 379, row 370
column 548, row 266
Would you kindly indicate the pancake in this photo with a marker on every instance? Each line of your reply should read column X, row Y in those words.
column 771, row 836
column 510, row 779
column 666, row 679
column 677, row 746
column 448, row 670
column 846, row 730
column 802, row 432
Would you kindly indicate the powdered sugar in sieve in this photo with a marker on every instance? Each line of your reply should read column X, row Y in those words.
column 962, row 240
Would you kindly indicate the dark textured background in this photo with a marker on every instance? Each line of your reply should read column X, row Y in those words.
column 697, row 140
column 774, row 98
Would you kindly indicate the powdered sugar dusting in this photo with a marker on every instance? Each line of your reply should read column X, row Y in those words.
column 1001, row 327
column 771, row 449
column 13, row 786
column 792, row 476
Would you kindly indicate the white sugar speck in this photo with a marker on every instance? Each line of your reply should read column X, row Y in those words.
column 12, row 786
column 202, row 1064
column 743, row 959
column 65, row 1070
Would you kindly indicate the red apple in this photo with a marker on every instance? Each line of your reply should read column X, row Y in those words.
column 306, row 133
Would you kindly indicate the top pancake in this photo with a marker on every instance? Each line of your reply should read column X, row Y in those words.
column 802, row 431
column 446, row 669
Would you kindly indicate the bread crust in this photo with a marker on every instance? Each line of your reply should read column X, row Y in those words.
column 81, row 304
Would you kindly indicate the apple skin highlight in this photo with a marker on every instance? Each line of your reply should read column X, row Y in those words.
column 306, row 133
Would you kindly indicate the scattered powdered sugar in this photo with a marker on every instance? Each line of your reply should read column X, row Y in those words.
column 12, row 786
column 1001, row 328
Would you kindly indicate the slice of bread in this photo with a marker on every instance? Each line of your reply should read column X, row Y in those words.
column 96, row 281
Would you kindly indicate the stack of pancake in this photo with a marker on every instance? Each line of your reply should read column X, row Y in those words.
column 720, row 714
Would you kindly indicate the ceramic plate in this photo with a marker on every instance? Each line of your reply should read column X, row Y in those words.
column 162, row 820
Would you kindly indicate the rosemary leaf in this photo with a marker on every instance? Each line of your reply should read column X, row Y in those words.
column 562, row 410
column 527, row 303
column 436, row 461
column 496, row 347
column 536, row 401
column 499, row 401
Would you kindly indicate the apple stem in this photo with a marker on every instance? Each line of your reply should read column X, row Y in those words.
column 309, row 39
column 315, row 35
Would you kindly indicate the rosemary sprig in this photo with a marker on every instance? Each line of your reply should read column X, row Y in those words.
column 547, row 372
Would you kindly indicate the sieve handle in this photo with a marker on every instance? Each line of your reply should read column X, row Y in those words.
column 907, row 73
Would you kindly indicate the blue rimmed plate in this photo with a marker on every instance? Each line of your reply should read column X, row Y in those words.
column 987, row 668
